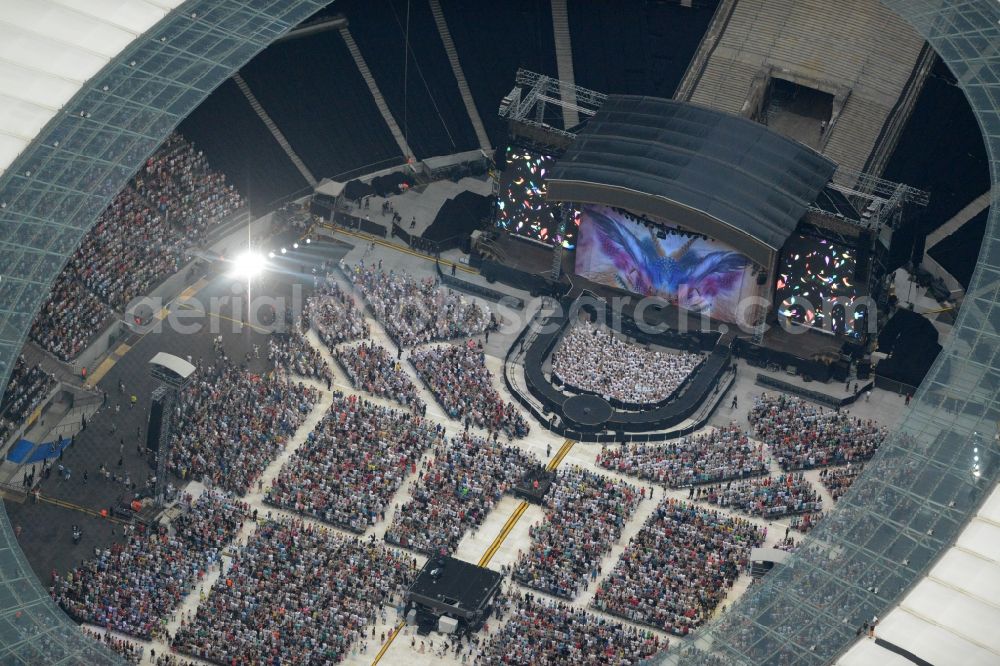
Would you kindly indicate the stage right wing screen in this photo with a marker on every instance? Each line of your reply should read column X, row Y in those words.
column 816, row 285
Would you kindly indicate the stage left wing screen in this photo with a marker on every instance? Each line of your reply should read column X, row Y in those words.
column 522, row 208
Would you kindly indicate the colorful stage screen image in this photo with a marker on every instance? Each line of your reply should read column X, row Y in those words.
column 816, row 276
column 697, row 274
column 522, row 208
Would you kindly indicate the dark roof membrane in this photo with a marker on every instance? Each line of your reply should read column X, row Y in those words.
column 730, row 168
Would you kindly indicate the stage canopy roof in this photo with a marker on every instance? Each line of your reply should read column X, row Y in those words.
column 708, row 171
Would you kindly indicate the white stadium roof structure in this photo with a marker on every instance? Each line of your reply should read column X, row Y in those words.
column 89, row 89
column 50, row 48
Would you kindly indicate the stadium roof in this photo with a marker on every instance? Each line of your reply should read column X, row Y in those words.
column 89, row 89
column 682, row 161
column 50, row 48
column 908, row 508
column 914, row 540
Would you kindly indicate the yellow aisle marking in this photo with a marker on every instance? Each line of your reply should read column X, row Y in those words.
column 497, row 542
column 76, row 507
column 105, row 366
column 392, row 636
column 259, row 329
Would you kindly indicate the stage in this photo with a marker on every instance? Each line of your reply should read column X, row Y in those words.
column 452, row 592
column 802, row 342
column 588, row 412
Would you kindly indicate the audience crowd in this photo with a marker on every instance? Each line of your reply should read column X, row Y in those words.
column 28, row 386
column 291, row 354
column 294, row 595
column 70, row 317
column 454, row 491
column 806, row 521
column 803, row 435
column 768, row 497
column 352, row 463
column 546, row 632
column 131, row 588
column 173, row 660
column 129, row 251
column 179, row 183
column 725, row 453
column 131, row 652
column 584, row 516
column 334, row 315
column 459, row 379
column 232, row 424
column 145, row 235
column 679, row 567
column 417, row 311
column 838, row 480
column 371, row 368
column 592, row 358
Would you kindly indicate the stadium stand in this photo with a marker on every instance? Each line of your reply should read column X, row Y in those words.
column 957, row 252
column 144, row 236
column 299, row 593
column 27, row 387
column 859, row 44
column 242, row 148
column 953, row 169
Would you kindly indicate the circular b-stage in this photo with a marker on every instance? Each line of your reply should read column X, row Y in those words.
column 588, row 412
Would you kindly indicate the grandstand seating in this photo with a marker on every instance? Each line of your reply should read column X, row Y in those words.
column 27, row 387
column 242, row 148
column 428, row 107
column 313, row 91
column 145, row 234
column 859, row 44
column 608, row 52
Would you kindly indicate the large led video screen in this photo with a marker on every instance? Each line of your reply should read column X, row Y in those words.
column 698, row 274
column 816, row 285
column 522, row 208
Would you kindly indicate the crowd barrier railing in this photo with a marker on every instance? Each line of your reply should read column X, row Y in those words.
column 813, row 396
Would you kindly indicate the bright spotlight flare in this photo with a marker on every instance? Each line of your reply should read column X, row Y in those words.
column 248, row 265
